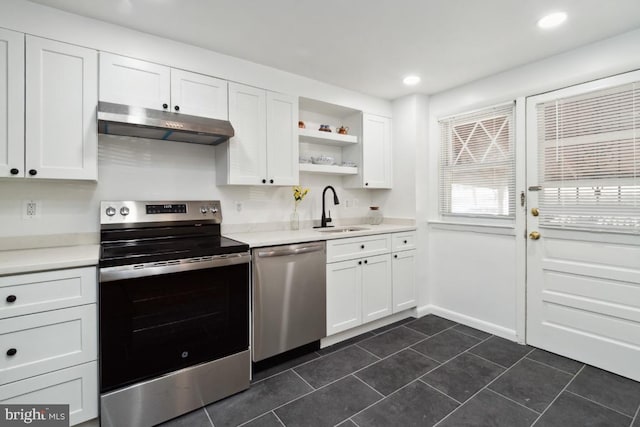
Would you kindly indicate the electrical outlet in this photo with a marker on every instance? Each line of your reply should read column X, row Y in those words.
column 31, row 209
column 239, row 206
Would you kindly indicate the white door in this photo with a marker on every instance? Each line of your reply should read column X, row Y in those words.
column 282, row 139
column 403, row 268
column 133, row 82
column 376, row 288
column 61, row 97
column 583, row 271
column 11, row 103
column 198, row 95
column 247, row 151
column 376, row 151
column 344, row 296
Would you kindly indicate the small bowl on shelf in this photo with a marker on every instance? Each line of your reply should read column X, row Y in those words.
column 349, row 164
column 322, row 160
column 304, row 159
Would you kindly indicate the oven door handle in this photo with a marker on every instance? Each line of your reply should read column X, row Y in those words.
column 110, row 274
column 287, row 252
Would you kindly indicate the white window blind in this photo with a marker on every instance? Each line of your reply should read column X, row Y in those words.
column 477, row 163
column 589, row 160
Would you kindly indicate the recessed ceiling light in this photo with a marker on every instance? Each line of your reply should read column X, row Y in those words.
column 411, row 80
column 552, row 20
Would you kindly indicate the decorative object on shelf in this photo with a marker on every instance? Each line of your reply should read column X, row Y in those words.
column 298, row 195
column 322, row 160
column 324, row 128
column 375, row 215
column 304, row 159
column 349, row 164
column 342, row 130
column 301, row 125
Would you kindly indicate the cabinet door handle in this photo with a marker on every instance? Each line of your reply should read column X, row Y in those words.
column 395, row 256
column 12, row 298
column 11, row 352
column 177, row 108
column 33, row 172
column 165, row 106
column 361, row 246
column 270, row 181
column 405, row 242
column 14, row 171
column 359, row 262
column 365, row 261
column 366, row 183
column 264, row 181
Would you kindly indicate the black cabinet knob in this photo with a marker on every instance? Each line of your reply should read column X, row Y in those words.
column 177, row 108
column 361, row 246
column 405, row 242
column 14, row 171
column 366, row 183
column 395, row 256
column 359, row 262
column 165, row 106
column 11, row 298
column 33, row 172
column 11, row 352
column 270, row 181
column 264, row 181
column 365, row 261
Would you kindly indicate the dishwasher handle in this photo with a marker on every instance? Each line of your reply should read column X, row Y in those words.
column 290, row 251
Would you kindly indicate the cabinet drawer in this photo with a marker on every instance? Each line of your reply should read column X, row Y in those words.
column 357, row 247
column 403, row 241
column 48, row 341
column 76, row 386
column 32, row 293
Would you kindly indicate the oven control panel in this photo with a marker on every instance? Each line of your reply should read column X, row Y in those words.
column 131, row 212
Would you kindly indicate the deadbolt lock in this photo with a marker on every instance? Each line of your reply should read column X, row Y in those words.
column 535, row 211
column 534, row 235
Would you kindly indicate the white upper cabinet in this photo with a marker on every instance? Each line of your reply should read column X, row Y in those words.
column 374, row 153
column 11, row 103
column 282, row 139
column 139, row 83
column 133, row 82
column 61, row 95
column 198, row 95
column 264, row 150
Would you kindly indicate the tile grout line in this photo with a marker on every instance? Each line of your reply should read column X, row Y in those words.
column 365, row 383
column 305, row 381
column 385, row 398
column 553, row 367
column 485, row 387
column 441, row 392
column 472, row 336
column 599, row 404
column 278, row 418
column 425, row 356
column 208, row 416
column 636, row 418
column 558, row 395
column 514, row 401
column 364, row 349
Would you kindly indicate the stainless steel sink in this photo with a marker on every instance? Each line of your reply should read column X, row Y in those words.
column 342, row 229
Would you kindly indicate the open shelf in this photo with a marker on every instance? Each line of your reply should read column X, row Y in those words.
column 328, row 138
column 328, row 169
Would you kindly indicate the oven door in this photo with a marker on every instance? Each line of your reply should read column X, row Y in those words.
column 161, row 317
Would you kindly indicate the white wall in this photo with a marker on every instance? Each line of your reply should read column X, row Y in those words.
column 472, row 274
column 138, row 169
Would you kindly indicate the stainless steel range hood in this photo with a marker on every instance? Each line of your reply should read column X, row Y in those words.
column 124, row 120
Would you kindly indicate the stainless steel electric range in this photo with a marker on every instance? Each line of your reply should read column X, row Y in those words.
column 174, row 311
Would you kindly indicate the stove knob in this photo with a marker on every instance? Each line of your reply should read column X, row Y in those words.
column 124, row 211
column 111, row 211
column 214, row 210
column 204, row 210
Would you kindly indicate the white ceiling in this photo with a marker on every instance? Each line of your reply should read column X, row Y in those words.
column 370, row 45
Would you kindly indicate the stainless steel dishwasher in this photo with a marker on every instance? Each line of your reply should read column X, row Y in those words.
column 289, row 297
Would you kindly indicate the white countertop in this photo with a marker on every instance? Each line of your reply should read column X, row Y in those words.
column 283, row 237
column 41, row 259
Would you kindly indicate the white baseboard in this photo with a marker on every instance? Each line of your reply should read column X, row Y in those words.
column 492, row 328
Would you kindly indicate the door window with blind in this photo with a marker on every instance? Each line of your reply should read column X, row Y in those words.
column 477, row 163
column 589, row 160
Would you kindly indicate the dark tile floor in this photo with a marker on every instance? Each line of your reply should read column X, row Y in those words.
column 426, row 372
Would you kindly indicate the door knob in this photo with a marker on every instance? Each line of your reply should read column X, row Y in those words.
column 534, row 235
column 535, row 211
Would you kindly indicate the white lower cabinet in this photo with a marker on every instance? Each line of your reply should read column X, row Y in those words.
column 344, row 296
column 404, row 280
column 48, row 337
column 76, row 386
column 376, row 288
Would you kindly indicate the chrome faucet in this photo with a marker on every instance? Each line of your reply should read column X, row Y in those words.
column 326, row 219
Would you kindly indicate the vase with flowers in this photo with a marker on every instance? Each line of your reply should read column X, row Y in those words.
column 298, row 195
